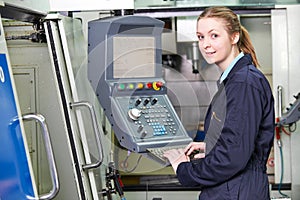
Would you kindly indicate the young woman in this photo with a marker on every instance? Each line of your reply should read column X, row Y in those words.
column 239, row 123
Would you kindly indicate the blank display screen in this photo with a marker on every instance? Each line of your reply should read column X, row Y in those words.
column 133, row 57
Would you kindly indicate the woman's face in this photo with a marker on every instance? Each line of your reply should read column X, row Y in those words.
column 215, row 45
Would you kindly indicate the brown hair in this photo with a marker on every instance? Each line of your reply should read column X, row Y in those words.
column 233, row 25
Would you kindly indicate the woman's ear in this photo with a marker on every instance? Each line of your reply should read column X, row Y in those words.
column 235, row 37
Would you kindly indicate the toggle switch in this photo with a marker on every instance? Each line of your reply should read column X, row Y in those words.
column 137, row 102
column 154, row 101
column 146, row 101
column 140, row 128
column 144, row 134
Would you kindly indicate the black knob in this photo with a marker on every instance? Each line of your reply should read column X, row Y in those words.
column 154, row 101
column 137, row 102
column 140, row 128
column 144, row 134
column 146, row 101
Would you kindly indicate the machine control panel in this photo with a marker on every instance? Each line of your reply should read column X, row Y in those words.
column 147, row 115
column 125, row 71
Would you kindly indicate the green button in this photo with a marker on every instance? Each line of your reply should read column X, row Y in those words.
column 121, row 86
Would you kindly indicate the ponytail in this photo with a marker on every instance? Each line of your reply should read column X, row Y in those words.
column 245, row 45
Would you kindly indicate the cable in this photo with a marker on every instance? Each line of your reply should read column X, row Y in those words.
column 287, row 133
column 293, row 130
column 278, row 129
column 125, row 161
column 281, row 176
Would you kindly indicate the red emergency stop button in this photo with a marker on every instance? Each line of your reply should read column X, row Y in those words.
column 157, row 85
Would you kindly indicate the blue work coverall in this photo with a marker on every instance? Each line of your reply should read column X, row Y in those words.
column 239, row 127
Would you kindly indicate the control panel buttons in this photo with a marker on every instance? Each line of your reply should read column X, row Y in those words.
column 149, row 85
column 152, row 118
column 121, row 86
column 139, row 86
column 156, row 85
column 130, row 86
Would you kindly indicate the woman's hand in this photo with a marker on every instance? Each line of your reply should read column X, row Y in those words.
column 176, row 156
column 195, row 149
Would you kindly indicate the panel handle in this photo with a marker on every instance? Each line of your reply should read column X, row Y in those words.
column 48, row 147
column 96, row 132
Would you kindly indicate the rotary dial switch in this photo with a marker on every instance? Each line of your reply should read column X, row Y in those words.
column 134, row 113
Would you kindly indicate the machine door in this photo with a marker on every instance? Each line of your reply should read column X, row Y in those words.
column 16, row 175
column 14, row 160
column 68, row 46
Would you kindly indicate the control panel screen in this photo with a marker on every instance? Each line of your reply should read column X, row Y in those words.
column 133, row 57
